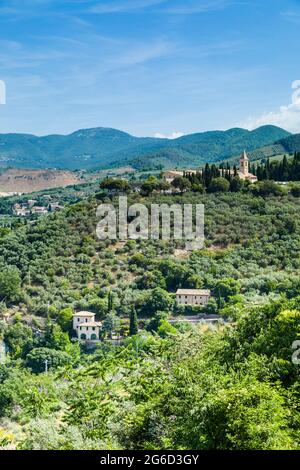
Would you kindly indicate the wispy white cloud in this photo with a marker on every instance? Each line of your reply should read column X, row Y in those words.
column 197, row 6
column 10, row 45
column 119, row 6
column 173, row 135
column 291, row 15
column 140, row 53
column 177, row 8
column 287, row 116
column 214, row 48
column 21, row 10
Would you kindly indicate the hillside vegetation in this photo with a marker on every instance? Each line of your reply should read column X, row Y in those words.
column 288, row 145
column 103, row 147
column 167, row 386
column 197, row 149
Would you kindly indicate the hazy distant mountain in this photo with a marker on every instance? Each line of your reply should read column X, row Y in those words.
column 86, row 148
column 104, row 147
column 287, row 145
column 196, row 149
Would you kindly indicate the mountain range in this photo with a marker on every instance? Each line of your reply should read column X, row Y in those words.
column 101, row 147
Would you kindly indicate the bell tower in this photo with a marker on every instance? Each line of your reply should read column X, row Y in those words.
column 244, row 164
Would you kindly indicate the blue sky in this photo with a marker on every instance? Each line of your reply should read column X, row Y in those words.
column 149, row 67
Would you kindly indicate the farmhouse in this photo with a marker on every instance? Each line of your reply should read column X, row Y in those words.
column 55, row 206
column 39, row 210
column 21, row 210
column 86, row 327
column 193, row 296
column 169, row 176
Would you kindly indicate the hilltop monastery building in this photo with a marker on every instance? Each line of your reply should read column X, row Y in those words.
column 243, row 171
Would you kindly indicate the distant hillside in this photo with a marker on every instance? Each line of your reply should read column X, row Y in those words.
column 26, row 181
column 290, row 144
column 104, row 148
column 197, row 149
column 287, row 145
column 84, row 149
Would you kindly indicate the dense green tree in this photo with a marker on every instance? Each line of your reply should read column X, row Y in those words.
column 150, row 185
column 150, row 280
column 156, row 321
column 165, row 329
column 110, row 303
column 279, row 170
column 55, row 338
column 19, row 340
column 236, row 184
column 219, row 185
column 197, row 188
column 42, row 359
column 10, row 283
column 181, row 183
column 295, row 190
column 156, row 300
column 65, row 318
column 111, row 324
column 117, row 184
column 267, row 188
column 134, row 327
column 225, row 288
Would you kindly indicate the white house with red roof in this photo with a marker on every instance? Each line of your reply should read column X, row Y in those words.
column 86, row 327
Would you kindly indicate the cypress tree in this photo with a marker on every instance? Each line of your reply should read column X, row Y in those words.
column 133, row 328
column 207, row 175
column 285, row 169
column 110, row 303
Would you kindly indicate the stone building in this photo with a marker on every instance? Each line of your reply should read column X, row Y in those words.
column 193, row 296
column 86, row 327
column 244, row 169
column 170, row 175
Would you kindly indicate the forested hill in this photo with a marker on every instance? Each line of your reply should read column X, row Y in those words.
column 290, row 144
column 104, row 147
column 208, row 147
column 287, row 145
column 167, row 386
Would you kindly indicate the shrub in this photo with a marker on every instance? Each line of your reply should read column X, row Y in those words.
column 219, row 185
